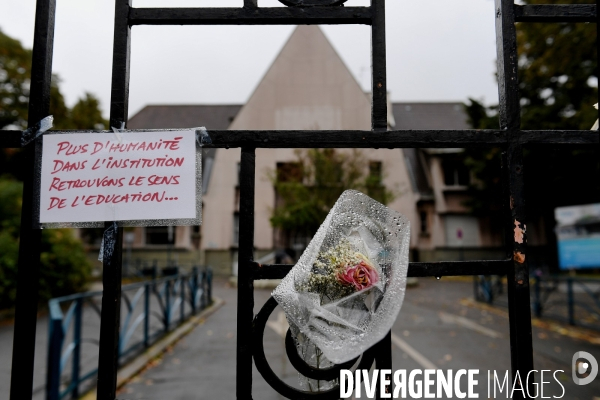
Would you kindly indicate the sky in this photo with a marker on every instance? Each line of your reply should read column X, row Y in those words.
column 437, row 50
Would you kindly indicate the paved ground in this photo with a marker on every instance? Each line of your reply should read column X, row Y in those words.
column 41, row 346
column 89, row 349
column 437, row 328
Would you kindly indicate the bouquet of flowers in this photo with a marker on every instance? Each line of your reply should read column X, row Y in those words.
column 341, row 271
column 347, row 288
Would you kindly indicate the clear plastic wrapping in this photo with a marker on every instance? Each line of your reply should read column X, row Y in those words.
column 346, row 290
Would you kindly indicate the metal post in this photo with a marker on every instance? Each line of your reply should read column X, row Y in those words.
column 108, row 355
column 146, row 315
column 21, row 379
column 167, row 318
column 194, row 290
column 571, row 301
column 518, row 274
column 108, row 360
column 203, row 288
column 55, row 341
column 209, row 276
column 537, row 305
column 383, row 360
column 378, row 67
column 182, row 296
column 245, row 300
column 379, row 122
column 205, row 296
column 77, row 350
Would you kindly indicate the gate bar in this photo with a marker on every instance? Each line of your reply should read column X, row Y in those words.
column 108, row 358
column 415, row 269
column 390, row 139
column 245, row 297
column 555, row 13
column 519, row 309
column 383, row 361
column 251, row 16
column 379, row 118
column 366, row 139
column 28, row 273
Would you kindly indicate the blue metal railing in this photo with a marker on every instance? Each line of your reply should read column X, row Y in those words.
column 149, row 311
column 555, row 297
column 575, row 300
column 487, row 287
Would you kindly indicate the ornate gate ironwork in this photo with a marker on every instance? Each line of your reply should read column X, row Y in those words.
column 297, row 12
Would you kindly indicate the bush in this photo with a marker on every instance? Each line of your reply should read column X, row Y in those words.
column 64, row 268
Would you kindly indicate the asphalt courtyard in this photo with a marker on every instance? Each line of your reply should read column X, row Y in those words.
column 439, row 327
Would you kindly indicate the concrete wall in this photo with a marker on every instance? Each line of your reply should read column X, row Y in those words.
column 307, row 87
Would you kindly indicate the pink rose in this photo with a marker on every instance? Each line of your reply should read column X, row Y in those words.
column 361, row 276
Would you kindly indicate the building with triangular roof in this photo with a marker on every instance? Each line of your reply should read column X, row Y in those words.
column 308, row 87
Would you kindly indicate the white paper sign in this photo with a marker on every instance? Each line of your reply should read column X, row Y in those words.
column 89, row 177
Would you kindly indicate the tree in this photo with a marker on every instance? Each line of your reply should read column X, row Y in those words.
column 15, row 67
column 15, row 79
column 481, row 117
column 307, row 188
column 10, row 206
column 64, row 267
column 86, row 114
column 558, row 76
column 558, row 88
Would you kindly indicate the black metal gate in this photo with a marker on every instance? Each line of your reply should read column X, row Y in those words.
column 296, row 12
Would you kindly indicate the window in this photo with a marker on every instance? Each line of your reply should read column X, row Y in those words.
column 423, row 220
column 456, row 173
column 289, row 172
column 160, row 235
